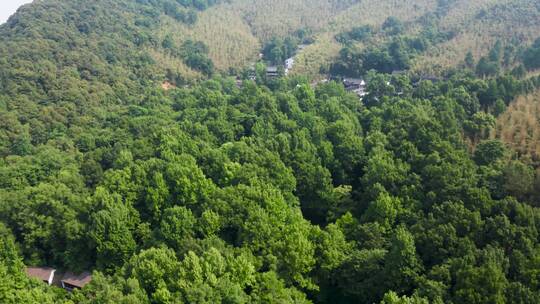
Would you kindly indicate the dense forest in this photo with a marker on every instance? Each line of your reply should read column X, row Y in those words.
column 128, row 150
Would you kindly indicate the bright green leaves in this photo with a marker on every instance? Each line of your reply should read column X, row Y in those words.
column 112, row 229
column 44, row 215
column 157, row 194
column 212, row 194
column 213, row 276
column 383, row 169
column 265, row 224
column 384, row 210
column 479, row 125
column 154, row 268
column 483, row 284
column 176, row 225
column 188, row 185
column 9, row 257
column 392, row 298
column 209, row 223
column 15, row 286
column 109, row 290
column 270, row 289
column 402, row 265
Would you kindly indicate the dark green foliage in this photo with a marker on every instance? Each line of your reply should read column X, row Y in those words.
column 531, row 57
column 356, row 34
column 218, row 177
column 277, row 50
column 469, row 60
column 394, row 55
column 519, row 179
column 489, row 152
column 506, row 57
column 392, row 26
column 486, row 67
column 181, row 10
column 195, row 54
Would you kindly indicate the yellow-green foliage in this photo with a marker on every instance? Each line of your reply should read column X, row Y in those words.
column 227, row 36
column 282, row 17
column 234, row 31
column 173, row 63
column 519, row 126
column 321, row 53
column 229, row 39
column 368, row 12
column 375, row 12
column 478, row 25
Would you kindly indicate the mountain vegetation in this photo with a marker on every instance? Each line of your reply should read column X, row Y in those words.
column 519, row 127
column 468, row 26
column 134, row 144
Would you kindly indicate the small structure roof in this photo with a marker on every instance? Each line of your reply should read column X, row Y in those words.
column 42, row 273
column 352, row 84
column 77, row 280
column 354, row 80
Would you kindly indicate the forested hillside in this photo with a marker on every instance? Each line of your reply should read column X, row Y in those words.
column 472, row 27
column 134, row 145
column 235, row 31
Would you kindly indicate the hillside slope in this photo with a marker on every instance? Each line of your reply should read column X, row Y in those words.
column 234, row 31
column 367, row 12
column 475, row 27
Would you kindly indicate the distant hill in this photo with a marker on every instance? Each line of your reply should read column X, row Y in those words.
column 478, row 25
column 475, row 27
column 111, row 52
column 235, row 30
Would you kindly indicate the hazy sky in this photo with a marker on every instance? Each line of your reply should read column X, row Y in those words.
column 8, row 7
